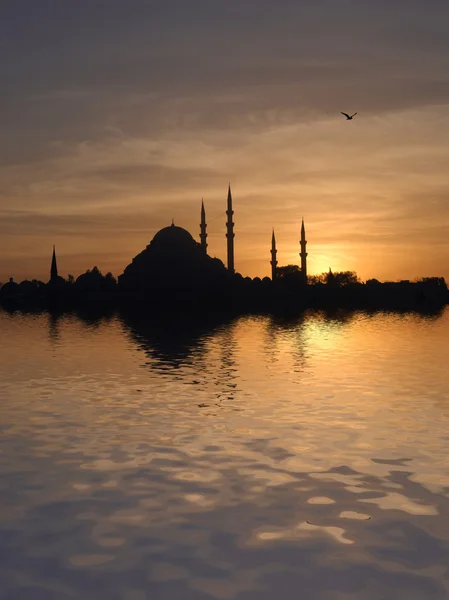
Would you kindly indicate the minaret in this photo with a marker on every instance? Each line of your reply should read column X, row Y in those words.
column 54, row 267
column 303, row 253
column 230, row 232
column 273, row 261
column 203, row 234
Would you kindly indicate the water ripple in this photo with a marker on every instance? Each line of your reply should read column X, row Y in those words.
column 254, row 458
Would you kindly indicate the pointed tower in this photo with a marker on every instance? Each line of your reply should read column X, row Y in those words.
column 273, row 261
column 303, row 253
column 54, row 267
column 203, row 226
column 230, row 232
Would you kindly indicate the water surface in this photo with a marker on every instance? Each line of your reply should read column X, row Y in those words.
column 255, row 458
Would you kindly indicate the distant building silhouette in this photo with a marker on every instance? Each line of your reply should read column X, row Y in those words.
column 54, row 267
column 230, row 233
column 203, row 226
column 303, row 253
column 54, row 277
column 273, row 262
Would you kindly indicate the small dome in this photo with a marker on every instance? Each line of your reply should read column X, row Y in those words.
column 173, row 236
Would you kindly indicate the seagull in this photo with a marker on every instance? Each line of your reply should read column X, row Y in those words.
column 348, row 117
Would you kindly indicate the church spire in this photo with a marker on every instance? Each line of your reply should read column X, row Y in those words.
column 54, row 267
column 303, row 253
column 230, row 232
column 273, row 261
column 203, row 226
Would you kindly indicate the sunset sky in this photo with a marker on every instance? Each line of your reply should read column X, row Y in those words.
column 117, row 115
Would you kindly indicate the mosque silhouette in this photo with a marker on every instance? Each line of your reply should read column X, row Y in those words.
column 175, row 271
column 173, row 260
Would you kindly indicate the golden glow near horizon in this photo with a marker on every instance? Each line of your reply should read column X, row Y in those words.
column 98, row 161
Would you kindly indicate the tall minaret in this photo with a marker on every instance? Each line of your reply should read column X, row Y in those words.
column 203, row 234
column 230, row 232
column 303, row 253
column 54, row 267
column 273, row 261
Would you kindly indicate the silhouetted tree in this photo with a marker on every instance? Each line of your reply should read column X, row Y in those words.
column 94, row 282
column 29, row 287
column 109, row 281
column 346, row 278
column 340, row 278
column 10, row 289
column 290, row 276
column 317, row 279
column 282, row 272
column 438, row 282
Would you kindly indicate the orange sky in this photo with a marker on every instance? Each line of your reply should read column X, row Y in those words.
column 118, row 120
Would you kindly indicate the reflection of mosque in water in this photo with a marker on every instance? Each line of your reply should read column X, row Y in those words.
column 208, row 355
column 170, row 342
column 196, row 352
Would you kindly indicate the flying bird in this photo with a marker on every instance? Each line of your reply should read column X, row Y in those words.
column 348, row 117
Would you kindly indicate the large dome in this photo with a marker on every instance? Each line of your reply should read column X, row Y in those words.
column 173, row 236
column 173, row 263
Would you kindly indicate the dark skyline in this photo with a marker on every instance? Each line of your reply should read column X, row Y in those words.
column 117, row 116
